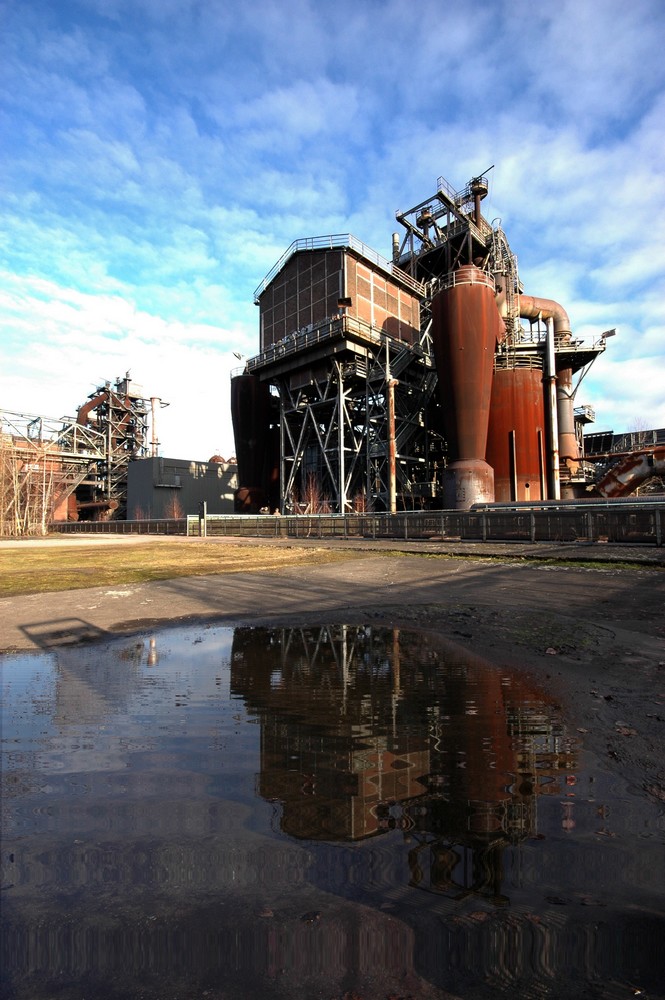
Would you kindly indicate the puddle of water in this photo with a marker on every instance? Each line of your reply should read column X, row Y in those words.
column 312, row 812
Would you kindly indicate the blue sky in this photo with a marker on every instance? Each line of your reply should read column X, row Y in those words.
column 160, row 155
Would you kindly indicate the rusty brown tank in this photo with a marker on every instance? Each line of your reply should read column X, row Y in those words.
column 516, row 440
column 466, row 326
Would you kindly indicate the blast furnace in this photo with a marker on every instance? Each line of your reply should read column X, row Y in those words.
column 428, row 380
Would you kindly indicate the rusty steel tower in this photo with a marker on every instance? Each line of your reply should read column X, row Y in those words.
column 427, row 380
column 119, row 415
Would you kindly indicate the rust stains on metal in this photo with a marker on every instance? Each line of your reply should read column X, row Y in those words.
column 465, row 329
column 634, row 469
column 516, row 434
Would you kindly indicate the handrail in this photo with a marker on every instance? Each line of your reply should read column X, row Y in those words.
column 463, row 277
column 325, row 330
column 339, row 242
column 626, row 521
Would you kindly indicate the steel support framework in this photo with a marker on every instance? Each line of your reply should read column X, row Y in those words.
column 337, row 432
column 120, row 415
column 44, row 461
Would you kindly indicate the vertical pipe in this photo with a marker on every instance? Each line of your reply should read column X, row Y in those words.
column 541, row 467
column 369, row 487
column 282, row 459
column 513, row 466
column 340, row 418
column 109, row 440
column 392, row 459
column 392, row 455
column 476, row 206
column 568, row 446
column 154, row 442
column 553, row 421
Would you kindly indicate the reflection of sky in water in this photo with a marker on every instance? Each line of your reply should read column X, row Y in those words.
column 26, row 712
column 390, row 769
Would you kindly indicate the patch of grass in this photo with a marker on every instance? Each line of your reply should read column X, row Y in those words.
column 46, row 569
column 538, row 560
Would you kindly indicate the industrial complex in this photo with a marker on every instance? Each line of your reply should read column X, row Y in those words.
column 102, row 464
column 429, row 381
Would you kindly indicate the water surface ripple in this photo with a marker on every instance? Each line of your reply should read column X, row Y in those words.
column 336, row 812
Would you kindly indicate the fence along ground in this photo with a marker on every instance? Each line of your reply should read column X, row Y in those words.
column 643, row 525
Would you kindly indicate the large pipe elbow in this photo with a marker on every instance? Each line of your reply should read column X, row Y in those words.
column 87, row 408
column 533, row 307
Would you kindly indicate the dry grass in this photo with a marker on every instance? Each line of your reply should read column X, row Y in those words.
column 56, row 567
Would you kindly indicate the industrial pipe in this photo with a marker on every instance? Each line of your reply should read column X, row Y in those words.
column 552, row 410
column 630, row 472
column 533, row 307
column 392, row 451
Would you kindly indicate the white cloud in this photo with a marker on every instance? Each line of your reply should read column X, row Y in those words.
column 68, row 342
column 164, row 155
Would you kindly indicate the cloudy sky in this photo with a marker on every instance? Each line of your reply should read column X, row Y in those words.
column 160, row 155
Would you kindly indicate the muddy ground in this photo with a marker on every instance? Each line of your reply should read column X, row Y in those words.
column 587, row 622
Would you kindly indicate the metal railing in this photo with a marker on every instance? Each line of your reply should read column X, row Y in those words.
column 625, row 523
column 325, row 330
column 149, row 526
column 340, row 241
column 642, row 524
column 461, row 277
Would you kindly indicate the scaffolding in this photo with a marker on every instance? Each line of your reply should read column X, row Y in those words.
column 119, row 414
column 71, row 468
column 43, row 462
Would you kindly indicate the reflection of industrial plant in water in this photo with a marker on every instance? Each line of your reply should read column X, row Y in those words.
column 428, row 380
column 363, row 732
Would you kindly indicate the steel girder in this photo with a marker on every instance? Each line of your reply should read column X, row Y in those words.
column 335, row 431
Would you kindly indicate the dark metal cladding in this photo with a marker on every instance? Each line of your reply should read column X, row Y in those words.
column 465, row 329
column 516, row 440
column 251, row 411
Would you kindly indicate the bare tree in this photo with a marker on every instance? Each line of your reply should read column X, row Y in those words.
column 359, row 503
column 173, row 507
column 312, row 494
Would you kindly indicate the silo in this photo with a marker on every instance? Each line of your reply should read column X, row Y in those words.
column 251, row 411
column 466, row 326
column 516, row 440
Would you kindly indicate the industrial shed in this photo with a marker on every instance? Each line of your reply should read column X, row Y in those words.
column 174, row 487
